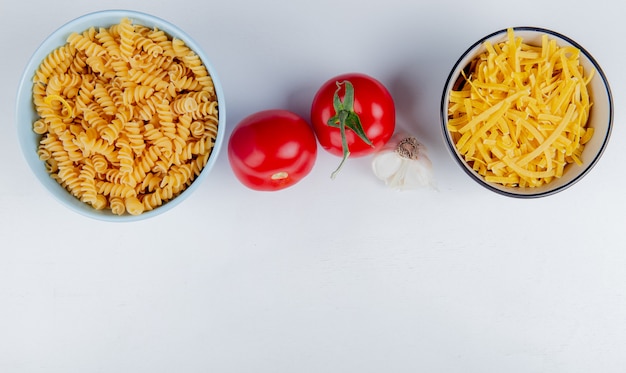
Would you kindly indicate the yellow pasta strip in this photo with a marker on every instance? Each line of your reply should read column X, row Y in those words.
column 550, row 139
column 488, row 114
column 586, row 136
column 49, row 98
column 476, row 136
column 509, row 179
column 525, row 172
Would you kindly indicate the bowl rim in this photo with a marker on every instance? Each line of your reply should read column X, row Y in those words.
column 479, row 179
column 24, row 92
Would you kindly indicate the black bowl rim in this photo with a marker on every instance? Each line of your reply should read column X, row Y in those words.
column 477, row 178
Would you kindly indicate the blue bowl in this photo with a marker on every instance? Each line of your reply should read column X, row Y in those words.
column 26, row 114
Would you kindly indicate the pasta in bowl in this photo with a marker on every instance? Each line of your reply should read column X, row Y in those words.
column 120, row 115
column 526, row 112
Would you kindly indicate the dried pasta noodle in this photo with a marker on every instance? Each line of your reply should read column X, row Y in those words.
column 127, row 116
column 521, row 115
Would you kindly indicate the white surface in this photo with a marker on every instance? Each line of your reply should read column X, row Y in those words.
column 329, row 276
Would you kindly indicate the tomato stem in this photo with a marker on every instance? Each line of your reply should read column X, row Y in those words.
column 345, row 116
column 344, row 143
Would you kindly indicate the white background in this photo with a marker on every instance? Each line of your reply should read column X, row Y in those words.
column 327, row 276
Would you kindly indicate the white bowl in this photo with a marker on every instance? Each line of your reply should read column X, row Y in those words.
column 26, row 113
column 600, row 116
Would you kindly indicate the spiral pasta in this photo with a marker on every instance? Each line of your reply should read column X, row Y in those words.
column 56, row 62
column 127, row 116
column 84, row 43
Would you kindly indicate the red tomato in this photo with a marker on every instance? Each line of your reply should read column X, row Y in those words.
column 353, row 115
column 272, row 150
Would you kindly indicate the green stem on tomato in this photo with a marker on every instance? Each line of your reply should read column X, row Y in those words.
column 344, row 143
column 346, row 117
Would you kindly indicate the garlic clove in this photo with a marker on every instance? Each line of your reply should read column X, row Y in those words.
column 386, row 164
column 419, row 173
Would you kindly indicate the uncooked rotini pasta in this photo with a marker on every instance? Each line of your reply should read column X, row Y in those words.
column 56, row 62
column 127, row 115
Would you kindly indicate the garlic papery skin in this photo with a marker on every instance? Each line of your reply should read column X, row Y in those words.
column 403, row 164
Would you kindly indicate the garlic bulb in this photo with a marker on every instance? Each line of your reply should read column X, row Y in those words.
column 403, row 163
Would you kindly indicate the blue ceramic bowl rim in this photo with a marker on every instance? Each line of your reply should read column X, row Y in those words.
column 25, row 110
column 510, row 191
